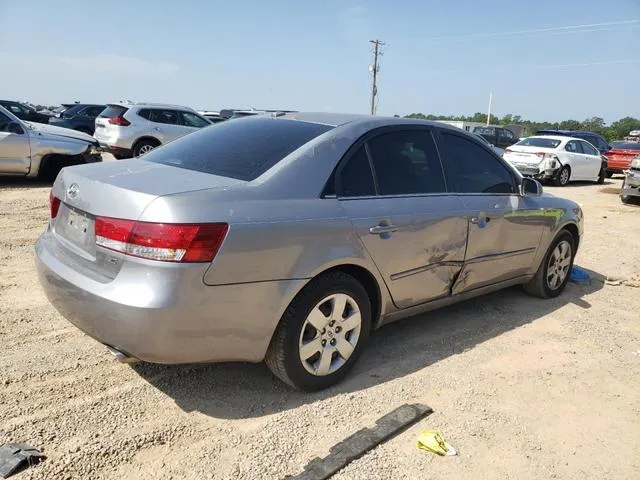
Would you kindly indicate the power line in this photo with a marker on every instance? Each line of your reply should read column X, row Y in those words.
column 586, row 27
column 374, row 69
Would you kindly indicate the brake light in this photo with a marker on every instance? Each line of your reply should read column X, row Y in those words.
column 161, row 241
column 508, row 150
column 121, row 121
column 54, row 204
column 540, row 154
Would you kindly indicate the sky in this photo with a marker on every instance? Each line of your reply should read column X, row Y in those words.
column 544, row 59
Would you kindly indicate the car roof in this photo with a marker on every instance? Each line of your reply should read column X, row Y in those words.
column 568, row 133
column 152, row 105
column 561, row 138
column 337, row 119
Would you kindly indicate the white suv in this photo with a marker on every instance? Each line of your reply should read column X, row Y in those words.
column 133, row 129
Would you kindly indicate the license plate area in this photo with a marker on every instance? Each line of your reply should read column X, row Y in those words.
column 76, row 227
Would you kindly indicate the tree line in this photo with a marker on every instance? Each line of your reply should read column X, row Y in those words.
column 616, row 131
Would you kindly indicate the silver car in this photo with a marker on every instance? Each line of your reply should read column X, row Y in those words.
column 288, row 238
column 130, row 129
column 40, row 150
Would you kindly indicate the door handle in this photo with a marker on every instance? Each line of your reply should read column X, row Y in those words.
column 479, row 220
column 381, row 229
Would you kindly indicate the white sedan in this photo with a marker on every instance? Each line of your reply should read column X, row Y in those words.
column 558, row 159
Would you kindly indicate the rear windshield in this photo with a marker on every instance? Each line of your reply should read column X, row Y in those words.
column 243, row 149
column 539, row 142
column 626, row 145
column 73, row 109
column 113, row 111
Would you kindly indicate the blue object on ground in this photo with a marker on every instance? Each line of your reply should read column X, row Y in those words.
column 579, row 275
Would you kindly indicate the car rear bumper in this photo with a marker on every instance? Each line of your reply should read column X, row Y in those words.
column 631, row 185
column 169, row 316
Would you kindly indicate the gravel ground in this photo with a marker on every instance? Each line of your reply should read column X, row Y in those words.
column 523, row 388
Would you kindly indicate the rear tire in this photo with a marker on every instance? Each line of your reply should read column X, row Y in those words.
column 326, row 299
column 144, row 146
column 544, row 285
column 563, row 176
column 602, row 175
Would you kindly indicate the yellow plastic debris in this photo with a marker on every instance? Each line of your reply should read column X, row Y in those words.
column 432, row 441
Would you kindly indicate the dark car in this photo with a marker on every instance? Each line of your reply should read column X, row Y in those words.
column 81, row 117
column 24, row 112
column 497, row 136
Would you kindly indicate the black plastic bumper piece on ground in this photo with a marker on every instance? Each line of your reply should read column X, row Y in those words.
column 362, row 441
column 15, row 457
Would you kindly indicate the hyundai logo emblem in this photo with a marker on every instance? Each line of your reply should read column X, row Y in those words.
column 73, row 190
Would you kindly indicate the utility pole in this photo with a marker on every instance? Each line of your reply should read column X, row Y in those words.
column 489, row 113
column 374, row 69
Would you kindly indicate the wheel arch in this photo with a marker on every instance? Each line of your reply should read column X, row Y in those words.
column 145, row 138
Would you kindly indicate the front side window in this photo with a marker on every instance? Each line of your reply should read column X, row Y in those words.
column 475, row 170
column 589, row 149
column 356, row 179
column 193, row 120
column 406, row 162
column 4, row 121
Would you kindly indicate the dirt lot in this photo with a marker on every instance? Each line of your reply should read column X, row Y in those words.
column 523, row 388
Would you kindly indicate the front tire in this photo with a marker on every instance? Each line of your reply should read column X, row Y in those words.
column 609, row 174
column 563, row 176
column 554, row 271
column 322, row 333
column 601, row 175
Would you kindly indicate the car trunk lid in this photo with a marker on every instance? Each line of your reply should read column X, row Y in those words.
column 119, row 190
column 526, row 154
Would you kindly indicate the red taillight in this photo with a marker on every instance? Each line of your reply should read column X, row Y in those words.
column 161, row 241
column 507, row 150
column 54, row 204
column 540, row 154
column 121, row 121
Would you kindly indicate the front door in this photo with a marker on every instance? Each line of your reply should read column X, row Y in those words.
column 15, row 152
column 592, row 160
column 504, row 228
column 392, row 187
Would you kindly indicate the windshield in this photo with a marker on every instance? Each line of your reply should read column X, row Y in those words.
column 539, row 142
column 243, row 149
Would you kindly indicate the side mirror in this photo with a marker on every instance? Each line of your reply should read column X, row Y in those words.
column 14, row 127
column 530, row 187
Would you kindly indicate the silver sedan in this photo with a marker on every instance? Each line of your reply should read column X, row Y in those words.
column 288, row 238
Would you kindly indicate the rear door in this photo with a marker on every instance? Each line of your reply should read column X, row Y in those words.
column 391, row 184
column 504, row 228
column 169, row 125
column 15, row 151
column 579, row 169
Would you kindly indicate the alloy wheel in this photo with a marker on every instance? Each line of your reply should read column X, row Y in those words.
column 330, row 334
column 559, row 263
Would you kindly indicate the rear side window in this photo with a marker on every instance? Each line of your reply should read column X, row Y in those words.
column 573, row 146
column 491, row 131
column 113, row 111
column 406, row 162
column 243, row 149
column 505, row 134
column 94, row 111
column 475, row 170
column 356, row 179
